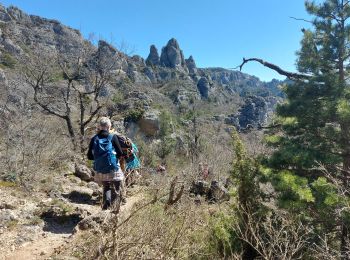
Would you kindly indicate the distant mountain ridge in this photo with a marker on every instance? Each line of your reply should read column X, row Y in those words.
column 21, row 33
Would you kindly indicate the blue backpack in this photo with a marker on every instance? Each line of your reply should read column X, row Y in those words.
column 105, row 160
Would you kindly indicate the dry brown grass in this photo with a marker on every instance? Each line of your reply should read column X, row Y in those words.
column 158, row 234
column 32, row 149
column 155, row 229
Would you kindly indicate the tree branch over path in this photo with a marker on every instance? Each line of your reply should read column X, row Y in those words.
column 279, row 70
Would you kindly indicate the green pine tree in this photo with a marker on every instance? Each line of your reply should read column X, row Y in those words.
column 312, row 148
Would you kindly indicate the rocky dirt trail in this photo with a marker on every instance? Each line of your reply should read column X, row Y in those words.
column 41, row 248
column 39, row 226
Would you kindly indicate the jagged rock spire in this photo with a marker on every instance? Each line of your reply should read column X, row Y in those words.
column 191, row 65
column 172, row 55
column 153, row 57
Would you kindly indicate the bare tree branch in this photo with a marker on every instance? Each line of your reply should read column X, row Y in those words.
column 45, row 107
column 289, row 75
column 300, row 19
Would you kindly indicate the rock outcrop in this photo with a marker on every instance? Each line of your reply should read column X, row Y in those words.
column 241, row 83
column 149, row 124
column 203, row 87
column 172, row 56
column 21, row 32
column 4, row 16
column 191, row 65
column 153, row 57
column 254, row 113
column 138, row 60
column 83, row 172
column 148, row 71
column 106, row 49
column 111, row 57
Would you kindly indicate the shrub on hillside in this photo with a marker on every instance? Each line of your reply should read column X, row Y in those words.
column 8, row 60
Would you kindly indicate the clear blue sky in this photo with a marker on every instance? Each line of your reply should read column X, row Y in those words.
column 217, row 33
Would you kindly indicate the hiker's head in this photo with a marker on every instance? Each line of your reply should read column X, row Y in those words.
column 104, row 123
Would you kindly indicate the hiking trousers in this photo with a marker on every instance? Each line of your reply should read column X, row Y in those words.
column 111, row 193
column 113, row 184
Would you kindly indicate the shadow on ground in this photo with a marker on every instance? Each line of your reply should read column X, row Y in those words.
column 81, row 198
column 60, row 224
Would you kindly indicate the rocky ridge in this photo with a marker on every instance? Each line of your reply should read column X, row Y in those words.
column 21, row 33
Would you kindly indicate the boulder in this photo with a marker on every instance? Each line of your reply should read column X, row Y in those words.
column 200, row 187
column 83, row 172
column 96, row 190
column 214, row 192
column 93, row 221
column 218, row 192
column 149, row 124
column 153, row 57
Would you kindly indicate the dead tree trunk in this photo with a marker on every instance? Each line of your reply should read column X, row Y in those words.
column 172, row 199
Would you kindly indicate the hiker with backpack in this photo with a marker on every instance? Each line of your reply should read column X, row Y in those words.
column 130, row 162
column 133, row 165
column 105, row 151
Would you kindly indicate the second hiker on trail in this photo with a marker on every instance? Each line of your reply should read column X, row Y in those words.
column 105, row 150
column 130, row 162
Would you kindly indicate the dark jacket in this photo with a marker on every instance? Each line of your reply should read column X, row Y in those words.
column 115, row 142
